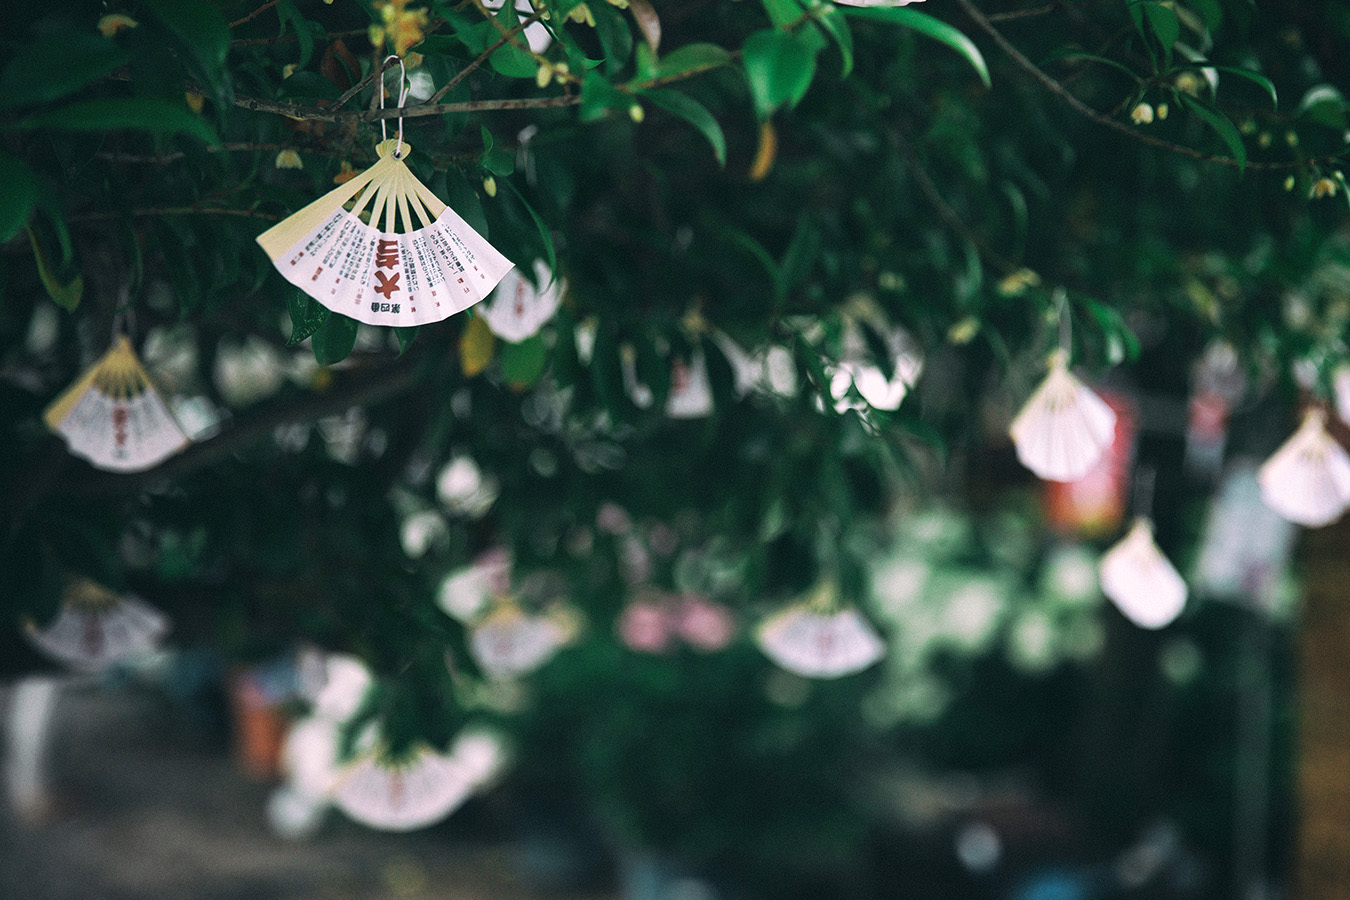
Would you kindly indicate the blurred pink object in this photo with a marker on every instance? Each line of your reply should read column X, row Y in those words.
column 646, row 627
column 612, row 519
column 705, row 625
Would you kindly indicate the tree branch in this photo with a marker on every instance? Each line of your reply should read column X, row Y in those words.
column 253, row 15
column 483, row 57
column 1078, row 106
column 103, row 215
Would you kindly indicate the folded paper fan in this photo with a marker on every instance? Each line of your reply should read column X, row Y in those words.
column 509, row 642
column 414, row 791
column 1140, row 581
column 114, row 417
column 1063, row 429
column 97, row 629
column 1308, row 479
column 690, row 390
column 434, row 267
column 517, row 309
column 816, row 641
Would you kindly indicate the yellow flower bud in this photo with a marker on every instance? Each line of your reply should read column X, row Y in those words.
column 490, row 186
column 115, row 22
column 1289, row 182
column 288, row 70
column 544, row 75
column 1162, row 111
column 1142, row 114
column 345, row 173
column 1323, row 187
column 289, row 159
column 964, row 331
column 636, row 113
column 195, row 102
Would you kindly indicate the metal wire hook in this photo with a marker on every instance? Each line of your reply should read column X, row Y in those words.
column 402, row 99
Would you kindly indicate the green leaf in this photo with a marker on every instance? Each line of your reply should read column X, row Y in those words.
column 692, row 58
column 545, row 234
column 202, row 30
column 1070, row 54
column 114, row 113
column 1158, row 22
column 832, row 22
column 1211, row 11
column 1256, row 78
column 406, row 335
column 599, row 98
column 779, row 67
column 695, row 114
column 523, row 364
column 509, row 59
column 615, row 37
column 744, row 241
column 18, row 195
column 929, row 27
column 783, row 13
column 1222, row 126
column 1325, row 105
column 31, row 77
column 67, row 296
column 307, row 316
column 334, row 340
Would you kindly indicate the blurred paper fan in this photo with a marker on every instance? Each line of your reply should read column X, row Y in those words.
column 816, row 639
column 402, row 794
column 509, row 642
column 1140, row 581
column 96, row 629
column 1063, row 429
column 374, row 273
column 690, row 390
column 114, row 417
column 1307, row 480
column 517, row 309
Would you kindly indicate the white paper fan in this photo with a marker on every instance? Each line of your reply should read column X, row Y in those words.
column 1308, row 479
column 436, row 266
column 404, row 794
column 309, row 756
column 812, row 640
column 114, row 417
column 96, row 629
column 517, row 309
column 690, row 390
column 1140, row 581
column 1063, row 429
column 510, row 642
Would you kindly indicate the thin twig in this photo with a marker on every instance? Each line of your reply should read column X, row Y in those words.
column 253, row 15
column 247, row 147
column 1078, row 106
column 1024, row 13
column 288, row 38
column 483, row 57
column 328, row 114
column 103, row 215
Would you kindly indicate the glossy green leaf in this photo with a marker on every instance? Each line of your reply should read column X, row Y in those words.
column 65, row 295
column 18, row 195
column 202, row 30
column 334, row 340
column 1255, row 78
column 831, row 19
column 1221, row 125
column 599, row 98
column 695, row 114
column 779, row 67
column 1074, row 54
column 1325, row 105
column 784, row 13
column 307, row 316
column 121, row 113
column 929, row 27
column 616, row 39
column 1158, row 25
column 31, row 78
column 545, row 233
column 692, row 58
column 1211, row 11
column 406, row 336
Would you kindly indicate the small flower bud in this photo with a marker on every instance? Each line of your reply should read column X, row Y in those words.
column 1323, row 187
column 289, row 159
column 1142, row 114
column 635, row 112
column 490, row 186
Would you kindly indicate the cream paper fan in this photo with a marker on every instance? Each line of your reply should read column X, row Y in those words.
column 816, row 640
column 114, row 417
column 1063, row 429
column 403, row 794
column 517, row 309
column 509, row 642
column 1140, row 581
column 1308, row 479
column 96, row 629
column 435, row 267
column 690, row 390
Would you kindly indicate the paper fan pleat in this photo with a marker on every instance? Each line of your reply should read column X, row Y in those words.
column 414, row 263
column 517, row 309
column 1307, row 480
column 819, row 644
column 96, row 629
column 403, row 795
column 114, row 417
column 509, row 643
column 1063, row 429
column 1140, row 581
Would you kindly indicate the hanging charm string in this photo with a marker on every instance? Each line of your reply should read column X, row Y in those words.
column 402, row 99
column 1061, row 299
column 1144, row 479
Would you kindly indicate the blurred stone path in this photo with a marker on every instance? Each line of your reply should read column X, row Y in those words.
column 146, row 807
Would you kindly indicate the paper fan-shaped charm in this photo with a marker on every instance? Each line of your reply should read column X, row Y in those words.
column 509, row 642
column 1308, row 479
column 415, row 262
column 1063, row 429
column 414, row 791
column 690, row 390
column 114, row 417
column 1140, row 581
column 97, row 629
column 818, row 640
column 517, row 309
